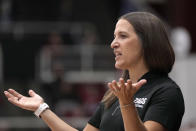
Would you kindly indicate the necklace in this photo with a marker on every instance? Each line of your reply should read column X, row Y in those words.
column 115, row 110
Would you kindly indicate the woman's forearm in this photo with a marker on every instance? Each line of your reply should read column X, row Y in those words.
column 131, row 119
column 54, row 122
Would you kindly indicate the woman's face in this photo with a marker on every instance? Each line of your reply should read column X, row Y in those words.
column 127, row 46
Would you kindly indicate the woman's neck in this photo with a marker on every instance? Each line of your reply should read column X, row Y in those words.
column 136, row 73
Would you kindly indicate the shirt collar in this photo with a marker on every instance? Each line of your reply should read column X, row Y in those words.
column 150, row 75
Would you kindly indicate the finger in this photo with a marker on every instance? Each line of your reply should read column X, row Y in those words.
column 139, row 84
column 11, row 98
column 15, row 93
column 115, row 85
column 129, row 84
column 14, row 100
column 8, row 95
column 122, row 84
column 111, row 87
column 32, row 93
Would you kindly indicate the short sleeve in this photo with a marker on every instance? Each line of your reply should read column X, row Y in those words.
column 95, row 120
column 167, row 108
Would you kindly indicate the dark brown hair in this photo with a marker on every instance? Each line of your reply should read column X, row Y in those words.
column 158, row 52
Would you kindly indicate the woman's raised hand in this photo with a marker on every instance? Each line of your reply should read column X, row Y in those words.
column 29, row 103
column 125, row 91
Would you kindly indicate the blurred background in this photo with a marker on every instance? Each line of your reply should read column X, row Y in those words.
column 61, row 49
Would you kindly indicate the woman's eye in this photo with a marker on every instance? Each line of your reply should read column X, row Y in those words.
column 123, row 36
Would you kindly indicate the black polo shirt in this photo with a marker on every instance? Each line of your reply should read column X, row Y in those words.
column 160, row 100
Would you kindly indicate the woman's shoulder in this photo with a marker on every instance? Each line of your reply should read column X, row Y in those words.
column 161, row 86
column 168, row 89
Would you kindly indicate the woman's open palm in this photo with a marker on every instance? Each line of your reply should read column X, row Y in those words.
column 125, row 91
column 29, row 103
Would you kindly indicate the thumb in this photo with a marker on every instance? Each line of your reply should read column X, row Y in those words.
column 32, row 93
column 139, row 84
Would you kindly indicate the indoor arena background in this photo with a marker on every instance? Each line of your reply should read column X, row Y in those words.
column 61, row 49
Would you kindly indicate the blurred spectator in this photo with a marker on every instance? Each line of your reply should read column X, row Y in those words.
column 88, row 42
column 90, row 37
column 51, row 66
column 181, row 41
column 51, row 59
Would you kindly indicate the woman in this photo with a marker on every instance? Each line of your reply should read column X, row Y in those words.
column 145, row 99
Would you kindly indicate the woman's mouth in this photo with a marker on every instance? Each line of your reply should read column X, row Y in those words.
column 117, row 54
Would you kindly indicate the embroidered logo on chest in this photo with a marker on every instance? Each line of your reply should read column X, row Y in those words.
column 139, row 102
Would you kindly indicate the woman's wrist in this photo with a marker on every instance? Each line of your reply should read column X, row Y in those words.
column 42, row 107
column 127, row 105
column 127, row 102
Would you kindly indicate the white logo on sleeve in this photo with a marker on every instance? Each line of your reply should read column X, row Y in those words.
column 139, row 102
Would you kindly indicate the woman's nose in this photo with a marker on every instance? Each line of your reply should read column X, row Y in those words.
column 114, row 44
